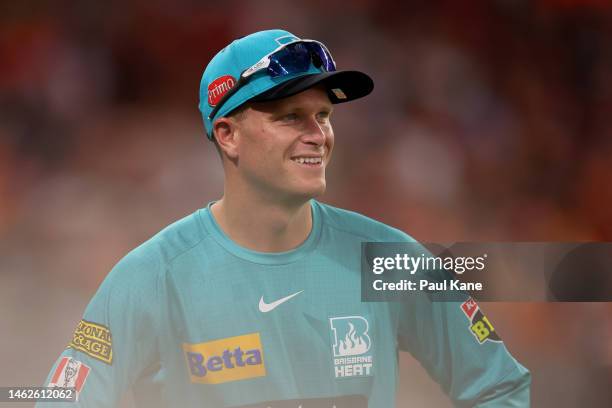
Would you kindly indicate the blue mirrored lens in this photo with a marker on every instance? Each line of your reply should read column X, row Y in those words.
column 296, row 58
column 292, row 59
column 325, row 59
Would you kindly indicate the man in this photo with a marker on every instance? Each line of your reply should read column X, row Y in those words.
column 254, row 301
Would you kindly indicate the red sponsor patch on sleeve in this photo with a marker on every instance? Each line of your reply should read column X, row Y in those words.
column 219, row 87
column 469, row 307
column 70, row 373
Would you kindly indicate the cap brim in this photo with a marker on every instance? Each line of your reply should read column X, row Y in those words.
column 342, row 86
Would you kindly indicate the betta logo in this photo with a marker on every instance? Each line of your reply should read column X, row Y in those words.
column 224, row 360
column 218, row 88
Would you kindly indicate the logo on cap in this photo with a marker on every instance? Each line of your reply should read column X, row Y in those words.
column 219, row 87
column 339, row 93
column 286, row 39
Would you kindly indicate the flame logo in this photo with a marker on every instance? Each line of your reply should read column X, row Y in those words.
column 356, row 340
column 352, row 344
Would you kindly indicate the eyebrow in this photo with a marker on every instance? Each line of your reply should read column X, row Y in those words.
column 326, row 107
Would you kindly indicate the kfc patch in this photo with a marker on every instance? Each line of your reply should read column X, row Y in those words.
column 219, row 87
column 469, row 307
column 70, row 373
column 480, row 326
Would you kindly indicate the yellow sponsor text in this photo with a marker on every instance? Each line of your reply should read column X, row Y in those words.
column 225, row 360
column 93, row 339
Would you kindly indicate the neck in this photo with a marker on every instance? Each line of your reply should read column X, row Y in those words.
column 263, row 225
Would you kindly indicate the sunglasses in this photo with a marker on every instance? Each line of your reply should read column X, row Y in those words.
column 288, row 59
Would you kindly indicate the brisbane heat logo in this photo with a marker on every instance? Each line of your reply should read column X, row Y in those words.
column 351, row 346
column 225, row 360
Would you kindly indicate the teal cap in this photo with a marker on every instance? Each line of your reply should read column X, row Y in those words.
column 224, row 70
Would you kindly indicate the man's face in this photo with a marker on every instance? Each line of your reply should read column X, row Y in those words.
column 284, row 146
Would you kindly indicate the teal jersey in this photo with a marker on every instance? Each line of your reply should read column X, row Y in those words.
column 191, row 319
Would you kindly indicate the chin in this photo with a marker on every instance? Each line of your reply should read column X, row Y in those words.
column 305, row 193
column 317, row 191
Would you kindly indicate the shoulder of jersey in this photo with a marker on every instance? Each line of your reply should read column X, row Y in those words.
column 360, row 225
column 174, row 240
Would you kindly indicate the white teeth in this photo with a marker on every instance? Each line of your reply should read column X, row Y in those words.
column 310, row 160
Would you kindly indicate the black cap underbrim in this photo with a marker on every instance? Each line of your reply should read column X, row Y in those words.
column 342, row 86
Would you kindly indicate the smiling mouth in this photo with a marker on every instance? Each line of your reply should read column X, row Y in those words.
column 308, row 161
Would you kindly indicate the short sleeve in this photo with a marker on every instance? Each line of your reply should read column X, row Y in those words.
column 115, row 342
column 461, row 350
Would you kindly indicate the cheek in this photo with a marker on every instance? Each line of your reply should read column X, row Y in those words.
column 330, row 140
column 258, row 152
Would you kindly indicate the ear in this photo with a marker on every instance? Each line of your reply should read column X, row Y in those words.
column 226, row 131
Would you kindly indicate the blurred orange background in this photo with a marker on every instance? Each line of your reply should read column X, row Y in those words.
column 490, row 121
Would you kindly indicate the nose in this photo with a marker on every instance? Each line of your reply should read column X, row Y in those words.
column 314, row 132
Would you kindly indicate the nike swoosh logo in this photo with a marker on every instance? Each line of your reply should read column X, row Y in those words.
column 267, row 307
